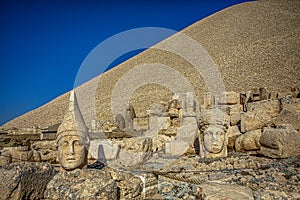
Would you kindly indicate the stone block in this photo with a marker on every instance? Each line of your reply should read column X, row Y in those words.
column 289, row 103
column 288, row 117
column 133, row 151
column 5, row 158
column 215, row 191
column 177, row 147
column 104, row 150
column 188, row 129
column 252, row 121
column 229, row 98
column 20, row 153
column 267, row 108
column 281, row 142
column 158, row 123
column 248, row 141
column 82, row 184
column 158, row 110
column 233, row 113
column 235, row 119
column 233, row 132
column 149, row 183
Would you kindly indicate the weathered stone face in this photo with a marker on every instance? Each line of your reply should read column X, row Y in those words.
column 214, row 139
column 72, row 153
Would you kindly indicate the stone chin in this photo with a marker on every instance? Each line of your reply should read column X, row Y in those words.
column 214, row 149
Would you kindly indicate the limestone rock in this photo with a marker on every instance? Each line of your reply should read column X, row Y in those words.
column 259, row 114
column 159, row 141
column 229, row 98
column 216, row 191
column 19, row 153
column 269, row 108
column 129, row 185
column 81, row 184
column 233, row 113
column 280, row 142
column 104, row 150
column 288, row 117
column 120, row 120
column 233, row 133
column 290, row 103
column 248, row 141
column 47, row 150
column 133, row 151
column 5, row 158
column 149, row 184
column 251, row 121
column 185, row 137
column 25, row 180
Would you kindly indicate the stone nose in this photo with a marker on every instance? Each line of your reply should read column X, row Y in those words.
column 70, row 150
column 214, row 137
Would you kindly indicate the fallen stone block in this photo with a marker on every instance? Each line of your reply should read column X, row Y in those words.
column 215, row 191
column 233, row 133
column 267, row 108
column 248, row 141
column 288, row 117
column 251, row 121
column 281, row 142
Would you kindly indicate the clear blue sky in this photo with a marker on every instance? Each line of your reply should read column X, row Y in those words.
column 43, row 43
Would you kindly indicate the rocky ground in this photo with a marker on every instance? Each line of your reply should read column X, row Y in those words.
column 261, row 178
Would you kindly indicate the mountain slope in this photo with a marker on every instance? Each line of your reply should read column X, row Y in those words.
column 253, row 44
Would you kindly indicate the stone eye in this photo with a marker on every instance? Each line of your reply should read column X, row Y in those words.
column 209, row 133
column 64, row 143
column 77, row 143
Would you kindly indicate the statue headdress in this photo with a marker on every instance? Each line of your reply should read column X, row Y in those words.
column 73, row 123
column 213, row 117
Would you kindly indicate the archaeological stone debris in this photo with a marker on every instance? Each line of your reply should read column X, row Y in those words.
column 185, row 150
column 242, row 142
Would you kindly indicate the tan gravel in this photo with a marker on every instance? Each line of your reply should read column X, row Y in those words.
column 254, row 44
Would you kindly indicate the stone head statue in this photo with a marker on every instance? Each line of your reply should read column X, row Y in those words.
column 72, row 138
column 213, row 139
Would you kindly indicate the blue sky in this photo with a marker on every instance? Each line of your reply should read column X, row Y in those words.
column 43, row 43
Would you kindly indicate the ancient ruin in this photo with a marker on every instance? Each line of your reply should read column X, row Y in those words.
column 241, row 142
column 72, row 138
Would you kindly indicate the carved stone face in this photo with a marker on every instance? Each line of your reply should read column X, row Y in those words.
column 213, row 139
column 72, row 153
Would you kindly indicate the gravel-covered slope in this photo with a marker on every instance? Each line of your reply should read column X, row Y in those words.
column 253, row 44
